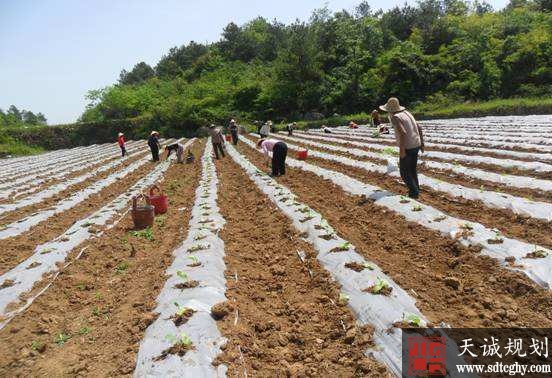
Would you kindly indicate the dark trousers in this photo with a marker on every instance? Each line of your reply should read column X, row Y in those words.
column 234, row 136
column 290, row 132
column 218, row 148
column 279, row 153
column 123, row 151
column 409, row 171
column 154, row 153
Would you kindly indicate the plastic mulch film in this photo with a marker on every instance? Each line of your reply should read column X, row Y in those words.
column 25, row 224
column 32, row 181
column 522, row 182
column 466, row 141
column 518, row 205
column 492, row 243
column 47, row 256
column 446, row 144
column 505, row 163
column 199, row 258
column 58, row 188
column 385, row 312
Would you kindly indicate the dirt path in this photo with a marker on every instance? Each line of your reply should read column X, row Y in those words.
column 289, row 324
column 103, row 300
column 510, row 224
column 452, row 284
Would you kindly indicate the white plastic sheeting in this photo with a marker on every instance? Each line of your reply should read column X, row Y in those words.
column 380, row 311
column 57, row 188
column 47, row 256
column 200, row 328
column 518, row 205
column 505, row 163
column 538, row 156
column 538, row 270
column 22, row 225
column 31, row 183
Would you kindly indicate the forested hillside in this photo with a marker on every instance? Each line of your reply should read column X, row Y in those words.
column 437, row 53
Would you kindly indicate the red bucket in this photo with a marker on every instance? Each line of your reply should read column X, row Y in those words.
column 160, row 201
column 229, row 138
column 302, row 155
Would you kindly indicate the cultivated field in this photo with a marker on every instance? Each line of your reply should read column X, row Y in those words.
column 308, row 274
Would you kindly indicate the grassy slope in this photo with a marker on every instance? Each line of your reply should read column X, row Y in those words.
column 12, row 147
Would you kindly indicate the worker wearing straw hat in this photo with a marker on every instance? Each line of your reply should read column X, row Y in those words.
column 217, row 139
column 122, row 143
column 234, row 131
column 153, row 143
column 409, row 137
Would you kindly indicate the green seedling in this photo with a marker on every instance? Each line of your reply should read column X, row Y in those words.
column 37, row 345
column 200, row 236
column 497, row 238
column 183, row 339
column 343, row 298
column 81, row 287
column 47, row 250
column 183, row 276
column 96, row 311
column 144, row 234
column 86, row 224
column 390, row 151
column 404, row 200
column 61, row 338
column 413, row 320
column 198, row 247
column 85, row 330
column 380, row 287
column 121, row 267
column 467, row 226
column 417, row 208
column 482, row 188
column 194, row 259
column 343, row 247
column 181, row 309
column 537, row 254
column 369, row 266
column 160, row 221
column 97, row 295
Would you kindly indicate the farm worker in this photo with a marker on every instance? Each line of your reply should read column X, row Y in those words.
column 265, row 130
column 178, row 148
column 353, row 125
column 290, row 128
column 376, row 120
column 279, row 153
column 409, row 137
column 271, row 127
column 217, row 139
column 234, row 131
column 121, row 140
column 153, row 143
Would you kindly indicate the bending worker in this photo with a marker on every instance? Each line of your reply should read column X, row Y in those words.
column 178, row 148
column 217, row 139
column 279, row 154
column 153, row 143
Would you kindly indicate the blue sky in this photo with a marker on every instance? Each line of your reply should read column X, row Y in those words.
column 53, row 51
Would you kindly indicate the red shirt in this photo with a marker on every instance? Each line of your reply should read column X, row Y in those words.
column 121, row 140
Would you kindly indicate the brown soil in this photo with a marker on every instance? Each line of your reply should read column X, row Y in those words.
column 288, row 323
column 419, row 260
column 18, row 248
column 103, row 300
column 510, row 224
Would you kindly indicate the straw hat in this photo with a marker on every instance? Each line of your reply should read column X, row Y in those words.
column 392, row 106
column 154, row 133
column 212, row 125
column 121, row 134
